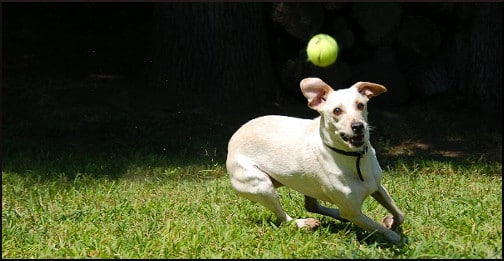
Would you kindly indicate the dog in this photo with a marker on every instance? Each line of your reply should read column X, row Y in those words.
column 328, row 158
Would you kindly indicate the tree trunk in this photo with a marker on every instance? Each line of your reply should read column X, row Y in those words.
column 379, row 21
column 478, row 58
column 211, row 57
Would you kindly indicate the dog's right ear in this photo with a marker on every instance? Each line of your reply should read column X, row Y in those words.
column 315, row 90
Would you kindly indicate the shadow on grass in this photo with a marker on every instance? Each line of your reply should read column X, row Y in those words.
column 85, row 139
column 115, row 158
column 335, row 227
column 439, row 130
column 364, row 236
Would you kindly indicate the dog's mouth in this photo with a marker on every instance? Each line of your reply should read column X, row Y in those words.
column 355, row 140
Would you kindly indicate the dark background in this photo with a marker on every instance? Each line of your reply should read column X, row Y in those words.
column 152, row 74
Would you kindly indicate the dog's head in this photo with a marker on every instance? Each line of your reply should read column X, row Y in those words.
column 343, row 112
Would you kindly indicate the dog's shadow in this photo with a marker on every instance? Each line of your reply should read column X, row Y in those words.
column 374, row 238
column 334, row 226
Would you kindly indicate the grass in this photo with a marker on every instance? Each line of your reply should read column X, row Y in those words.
column 67, row 203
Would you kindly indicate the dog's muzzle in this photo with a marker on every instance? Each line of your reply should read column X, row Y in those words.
column 357, row 138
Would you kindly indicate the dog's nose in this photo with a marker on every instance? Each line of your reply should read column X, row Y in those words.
column 357, row 127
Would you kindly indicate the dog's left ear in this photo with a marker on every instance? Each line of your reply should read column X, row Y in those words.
column 315, row 90
column 370, row 89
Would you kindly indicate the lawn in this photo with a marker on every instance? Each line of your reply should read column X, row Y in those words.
column 145, row 195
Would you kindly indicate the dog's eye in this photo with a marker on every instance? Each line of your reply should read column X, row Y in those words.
column 360, row 106
column 337, row 111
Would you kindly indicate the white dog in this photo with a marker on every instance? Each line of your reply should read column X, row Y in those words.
column 328, row 158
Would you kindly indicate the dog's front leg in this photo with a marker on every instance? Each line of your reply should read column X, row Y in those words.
column 383, row 197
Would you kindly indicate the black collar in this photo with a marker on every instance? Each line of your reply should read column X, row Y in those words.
column 350, row 153
column 357, row 154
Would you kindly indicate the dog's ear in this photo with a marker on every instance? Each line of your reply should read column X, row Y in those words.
column 315, row 91
column 370, row 89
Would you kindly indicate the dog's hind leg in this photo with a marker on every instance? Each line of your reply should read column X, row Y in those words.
column 256, row 185
column 312, row 205
column 252, row 183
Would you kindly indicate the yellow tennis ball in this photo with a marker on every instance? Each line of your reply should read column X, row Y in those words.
column 322, row 50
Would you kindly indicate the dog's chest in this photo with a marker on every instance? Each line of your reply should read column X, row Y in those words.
column 341, row 175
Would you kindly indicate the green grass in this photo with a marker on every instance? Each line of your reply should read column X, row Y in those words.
column 123, row 203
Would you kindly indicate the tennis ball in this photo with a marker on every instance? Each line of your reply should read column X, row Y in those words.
column 322, row 50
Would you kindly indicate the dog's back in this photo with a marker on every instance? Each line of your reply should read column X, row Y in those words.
column 269, row 132
column 267, row 141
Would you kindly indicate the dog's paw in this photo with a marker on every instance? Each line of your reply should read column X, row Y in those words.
column 308, row 223
column 388, row 221
column 391, row 222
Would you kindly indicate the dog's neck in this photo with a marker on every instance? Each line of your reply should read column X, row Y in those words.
column 350, row 153
column 357, row 154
